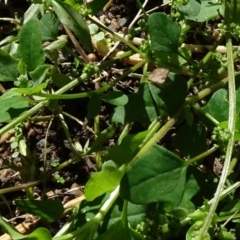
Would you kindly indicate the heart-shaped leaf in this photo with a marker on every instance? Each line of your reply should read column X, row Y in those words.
column 102, row 182
column 157, row 176
column 164, row 33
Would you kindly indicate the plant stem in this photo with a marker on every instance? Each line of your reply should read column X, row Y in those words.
column 231, row 127
column 98, row 91
column 67, row 87
column 117, row 36
column 222, row 196
column 201, row 156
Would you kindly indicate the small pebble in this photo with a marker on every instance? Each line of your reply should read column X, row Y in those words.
column 122, row 22
column 40, row 144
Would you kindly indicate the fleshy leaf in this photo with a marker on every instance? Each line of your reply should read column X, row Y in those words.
column 32, row 12
column 30, row 44
column 10, row 230
column 191, row 9
column 94, row 106
column 145, row 112
column 31, row 91
column 218, row 105
column 164, row 33
column 170, row 95
column 231, row 208
column 208, row 10
column 12, row 104
column 119, row 231
column 71, row 18
column 102, row 182
column 39, row 234
column 39, row 74
column 157, row 176
column 60, row 79
column 49, row 26
column 96, row 6
column 197, row 140
column 124, row 152
column 117, row 98
column 8, row 67
column 49, row 210
column 135, row 212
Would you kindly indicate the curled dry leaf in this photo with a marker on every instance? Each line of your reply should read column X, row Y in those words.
column 158, row 75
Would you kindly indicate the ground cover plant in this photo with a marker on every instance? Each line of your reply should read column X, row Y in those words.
column 120, row 119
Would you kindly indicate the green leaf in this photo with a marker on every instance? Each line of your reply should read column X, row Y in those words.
column 96, row 6
column 231, row 208
column 218, row 105
column 135, row 212
column 93, row 28
column 94, row 106
column 117, row 98
column 49, row 26
column 124, row 152
column 172, row 60
column 52, row 48
column 32, row 12
column 118, row 115
column 145, row 112
column 119, row 231
column 164, row 33
column 87, row 210
column 39, row 234
column 10, row 230
column 39, row 74
column 191, row 9
column 101, row 182
column 49, row 210
column 12, row 104
column 208, row 11
column 22, row 68
column 30, row 44
column 194, row 184
column 30, row 91
column 157, row 176
column 88, row 230
column 103, row 137
column 71, row 18
column 170, row 95
column 194, row 136
column 60, row 79
column 8, row 67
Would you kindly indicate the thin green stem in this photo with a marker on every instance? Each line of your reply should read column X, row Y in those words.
column 156, row 137
column 223, row 194
column 47, row 175
column 207, row 115
column 201, row 156
column 98, row 91
column 124, row 133
column 97, row 132
column 231, row 127
column 67, row 87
